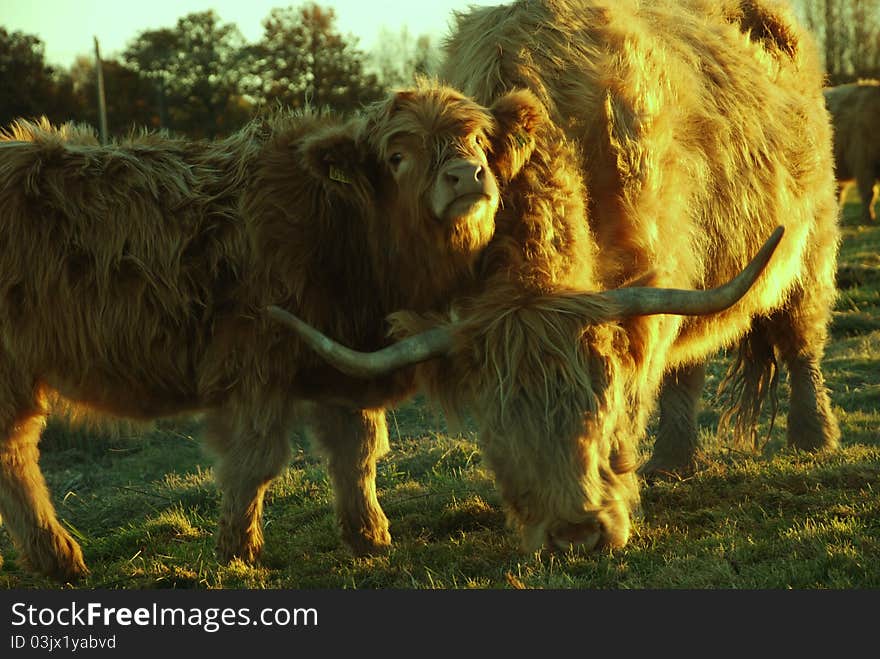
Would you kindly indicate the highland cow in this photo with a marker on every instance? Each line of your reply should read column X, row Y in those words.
column 133, row 279
column 855, row 117
column 679, row 133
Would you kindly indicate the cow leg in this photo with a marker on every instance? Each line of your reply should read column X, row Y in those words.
column 353, row 440
column 842, row 188
column 872, row 209
column 865, row 183
column 799, row 333
column 249, row 458
column 675, row 448
column 25, row 504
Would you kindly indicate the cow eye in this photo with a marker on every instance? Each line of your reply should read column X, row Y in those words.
column 395, row 159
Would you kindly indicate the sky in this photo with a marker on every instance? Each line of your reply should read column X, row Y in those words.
column 67, row 27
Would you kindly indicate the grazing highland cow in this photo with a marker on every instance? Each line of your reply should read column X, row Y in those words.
column 133, row 279
column 855, row 117
column 680, row 133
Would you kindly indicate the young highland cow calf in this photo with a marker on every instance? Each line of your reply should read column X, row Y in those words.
column 133, row 279
column 679, row 134
column 855, row 117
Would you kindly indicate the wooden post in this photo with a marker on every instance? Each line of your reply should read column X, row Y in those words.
column 102, row 101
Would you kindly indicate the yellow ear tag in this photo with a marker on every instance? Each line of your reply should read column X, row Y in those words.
column 338, row 175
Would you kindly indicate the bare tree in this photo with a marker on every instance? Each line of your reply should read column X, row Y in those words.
column 848, row 32
column 399, row 57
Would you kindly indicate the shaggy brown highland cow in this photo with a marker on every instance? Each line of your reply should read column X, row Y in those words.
column 681, row 133
column 133, row 279
column 855, row 116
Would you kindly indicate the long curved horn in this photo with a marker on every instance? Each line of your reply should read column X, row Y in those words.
column 646, row 301
column 411, row 350
column 635, row 301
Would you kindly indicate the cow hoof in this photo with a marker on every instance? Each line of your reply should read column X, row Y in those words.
column 248, row 555
column 56, row 555
column 659, row 468
column 814, row 442
column 230, row 548
column 369, row 544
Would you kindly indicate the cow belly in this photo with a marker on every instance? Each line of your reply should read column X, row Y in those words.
column 123, row 396
column 124, row 369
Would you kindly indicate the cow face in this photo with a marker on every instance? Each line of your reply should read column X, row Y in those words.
column 550, row 402
column 541, row 379
column 447, row 158
column 463, row 187
column 423, row 171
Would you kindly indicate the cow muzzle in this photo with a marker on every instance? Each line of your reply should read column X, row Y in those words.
column 463, row 186
column 608, row 527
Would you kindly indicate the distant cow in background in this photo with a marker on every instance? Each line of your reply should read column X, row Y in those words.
column 855, row 115
column 680, row 133
column 134, row 278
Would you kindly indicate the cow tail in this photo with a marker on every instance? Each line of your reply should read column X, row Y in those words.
column 751, row 380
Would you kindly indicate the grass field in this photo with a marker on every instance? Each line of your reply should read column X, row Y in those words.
column 144, row 506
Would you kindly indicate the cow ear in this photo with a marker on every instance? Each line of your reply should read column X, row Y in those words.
column 519, row 114
column 335, row 157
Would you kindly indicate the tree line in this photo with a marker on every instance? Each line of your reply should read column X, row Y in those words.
column 201, row 78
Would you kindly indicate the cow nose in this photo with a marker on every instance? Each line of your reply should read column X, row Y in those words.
column 466, row 177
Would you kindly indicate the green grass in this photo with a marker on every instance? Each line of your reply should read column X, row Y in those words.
column 144, row 506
